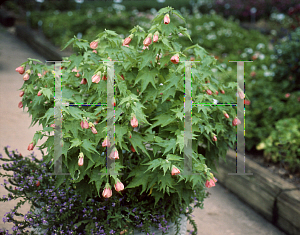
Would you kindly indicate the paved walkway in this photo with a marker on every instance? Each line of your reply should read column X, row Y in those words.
column 223, row 213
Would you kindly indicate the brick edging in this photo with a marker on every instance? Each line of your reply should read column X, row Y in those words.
column 275, row 199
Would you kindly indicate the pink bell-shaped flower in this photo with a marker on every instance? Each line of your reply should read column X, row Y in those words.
column 167, row 19
column 175, row 59
column 20, row 69
column 107, row 193
column 94, row 44
column 175, row 171
column 134, row 122
column 119, row 186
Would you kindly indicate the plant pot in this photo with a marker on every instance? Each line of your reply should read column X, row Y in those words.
column 171, row 230
column 156, row 231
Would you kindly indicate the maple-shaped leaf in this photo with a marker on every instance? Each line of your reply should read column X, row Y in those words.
column 166, row 181
column 168, row 145
column 75, row 142
column 75, row 61
column 172, row 80
column 153, row 164
column 137, row 141
column 166, row 42
column 147, row 76
column 87, row 145
column 120, row 132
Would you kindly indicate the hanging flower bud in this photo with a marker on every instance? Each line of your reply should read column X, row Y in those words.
column 119, row 186
column 222, row 91
column 39, row 93
column 134, row 122
column 21, row 93
column 76, row 70
column 20, row 105
column 26, row 77
column 175, row 59
column 155, row 36
column 129, row 134
column 236, row 121
column 214, row 138
column 167, row 19
column 209, row 92
column 210, row 183
column 127, row 40
column 84, row 125
column 114, row 154
column 30, row 147
column 241, row 93
column 80, row 159
column 225, row 114
column 106, row 142
column 175, row 171
column 94, row 130
column 247, row 102
column 96, row 78
column 95, row 51
column 122, row 76
column 132, row 149
column 20, row 69
column 107, row 193
column 148, row 40
column 94, row 44
column 83, row 81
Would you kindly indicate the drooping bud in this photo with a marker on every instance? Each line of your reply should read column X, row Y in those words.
column 21, row 93
column 107, row 193
column 225, row 114
column 167, row 19
column 39, row 93
column 94, row 44
column 96, row 78
column 20, row 69
column 114, row 154
column 83, row 81
column 127, row 40
column 134, row 122
column 26, row 77
column 175, row 171
column 20, row 105
column 175, row 59
column 241, row 93
column 80, row 159
column 119, row 186
column 155, row 36
column 148, row 40
column 236, row 121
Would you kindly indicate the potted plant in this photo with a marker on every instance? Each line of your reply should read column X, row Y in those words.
column 148, row 193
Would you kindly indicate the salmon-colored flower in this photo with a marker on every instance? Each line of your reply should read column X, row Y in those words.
column 225, row 114
column 106, row 142
column 127, row 40
column 80, row 159
column 287, row 95
column 40, row 75
column 210, row 183
column 155, row 36
column 21, row 93
column 84, row 125
column 30, row 147
column 114, row 155
column 148, row 40
column 247, row 102
column 96, row 78
column 167, row 19
column 39, row 93
column 209, row 92
column 134, row 122
column 175, row 59
column 20, row 105
column 26, row 77
column 20, row 69
column 83, row 81
column 107, row 193
column 214, row 138
column 94, row 130
column 175, row 171
column 119, row 186
column 241, row 93
column 236, row 121
column 94, row 44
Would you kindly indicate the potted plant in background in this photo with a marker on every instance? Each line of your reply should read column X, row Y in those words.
column 149, row 194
